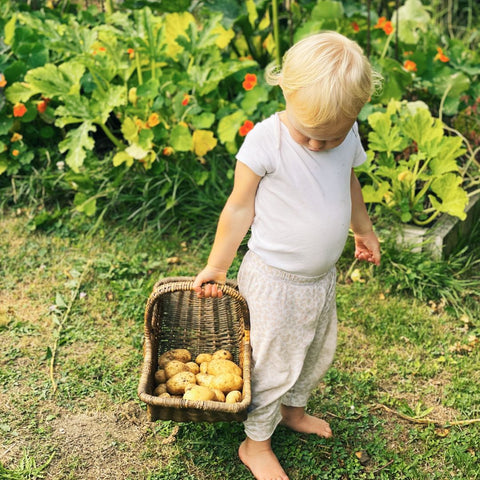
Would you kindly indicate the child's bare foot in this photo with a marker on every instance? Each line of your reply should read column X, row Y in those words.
column 296, row 419
column 259, row 458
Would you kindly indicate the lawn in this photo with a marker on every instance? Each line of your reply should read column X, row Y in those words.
column 402, row 397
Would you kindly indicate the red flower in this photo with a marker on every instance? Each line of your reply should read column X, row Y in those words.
column 355, row 26
column 250, row 81
column 441, row 56
column 131, row 53
column 19, row 110
column 410, row 66
column 385, row 25
column 186, row 99
column 245, row 128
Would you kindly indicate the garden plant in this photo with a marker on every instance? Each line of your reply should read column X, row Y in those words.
column 119, row 122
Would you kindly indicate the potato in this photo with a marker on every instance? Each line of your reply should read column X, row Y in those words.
column 204, row 379
column 164, row 395
column 204, row 367
column 226, row 382
column 162, row 388
column 199, row 393
column 160, row 376
column 203, row 357
column 216, row 367
column 219, row 395
column 176, row 385
column 223, row 355
column 180, row 354
column 174, row 367
column 193, row 367
column 233, row 397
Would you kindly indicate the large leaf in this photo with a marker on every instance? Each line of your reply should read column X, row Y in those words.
column 453, row 198
column 228, row 126
column 385, row 137
column 181, row 138
column 203, row 142
column 76, row 143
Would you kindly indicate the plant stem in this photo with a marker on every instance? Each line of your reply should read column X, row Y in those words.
column 111, row 136
column 276, row 34
column 109, row 9
column 430, row 219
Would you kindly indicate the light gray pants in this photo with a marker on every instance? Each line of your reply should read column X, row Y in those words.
column 293, row 336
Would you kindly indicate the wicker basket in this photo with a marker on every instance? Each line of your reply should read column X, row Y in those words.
column 176, row 318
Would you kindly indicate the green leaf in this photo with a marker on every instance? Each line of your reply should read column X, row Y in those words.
column 9, row 30
column 396, row 80
column 76, row 143
column 84, row 204
column 106, row 101
column 181, row 139
column 385, row 137
column 453, row 198
column 423, row 129
column 122, row 157
column 375, row 195
column 228, row 126
column 129, row 129
column 327, row 9
column 3, row 164
column 20, row 92
column 253, row 98
column 204, row 120
column 52, row 81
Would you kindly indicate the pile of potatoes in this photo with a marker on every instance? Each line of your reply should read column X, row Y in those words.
column 211, row 377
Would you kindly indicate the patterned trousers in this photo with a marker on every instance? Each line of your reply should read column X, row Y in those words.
column 293, row 336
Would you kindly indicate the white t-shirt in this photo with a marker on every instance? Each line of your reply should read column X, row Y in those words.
column 303, row 204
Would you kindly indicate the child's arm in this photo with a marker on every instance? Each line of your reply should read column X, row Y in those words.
column 367, row 246
column 234, row 222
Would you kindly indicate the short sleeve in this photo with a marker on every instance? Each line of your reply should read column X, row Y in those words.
column 258, row 149
column 360, row 154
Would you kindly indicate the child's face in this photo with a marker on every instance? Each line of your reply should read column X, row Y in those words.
column 320, row 138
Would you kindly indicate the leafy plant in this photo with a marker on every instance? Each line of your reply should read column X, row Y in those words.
column 413, row 165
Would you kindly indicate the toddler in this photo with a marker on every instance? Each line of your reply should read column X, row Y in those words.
column 295, row 189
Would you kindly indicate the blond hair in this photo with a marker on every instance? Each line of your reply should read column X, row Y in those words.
column 326, row 76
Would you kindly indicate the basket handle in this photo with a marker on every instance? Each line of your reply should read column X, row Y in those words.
column 172, row 284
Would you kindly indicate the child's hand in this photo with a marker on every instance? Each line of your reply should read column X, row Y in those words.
column 205, row 283
column 367, row 247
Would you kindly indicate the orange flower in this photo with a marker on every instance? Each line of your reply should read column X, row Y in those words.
column 385, row 25
column 153, row 120
column 250, row 81
column 3, row 82
column 355, row 26
column 42, row 106
column 19, row 110
column 15, row 153
column 16, row 137
column 167, row 151
column 131, row 53
column 140, row 124
column 410, row 66
column 186, row 99
column 441, row 56
column 245, row 128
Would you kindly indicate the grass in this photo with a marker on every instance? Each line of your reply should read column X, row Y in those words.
column 404, row 383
